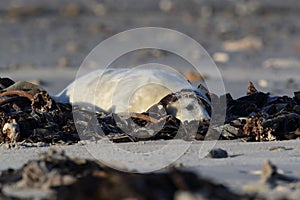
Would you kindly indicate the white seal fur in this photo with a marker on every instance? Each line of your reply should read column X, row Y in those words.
column 132, row 90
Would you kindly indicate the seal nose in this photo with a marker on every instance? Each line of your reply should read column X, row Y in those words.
column 190, row 107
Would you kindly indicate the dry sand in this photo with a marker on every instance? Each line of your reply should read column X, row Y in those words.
column 240, row 168
column 31, row 42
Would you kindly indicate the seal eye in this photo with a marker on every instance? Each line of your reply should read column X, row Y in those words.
column 190, row 107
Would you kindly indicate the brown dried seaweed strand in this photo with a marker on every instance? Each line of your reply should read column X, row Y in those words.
column 144, row 117
column 251, row 89
column 17, row 92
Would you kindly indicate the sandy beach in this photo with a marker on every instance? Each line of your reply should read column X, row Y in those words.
column 258, row 41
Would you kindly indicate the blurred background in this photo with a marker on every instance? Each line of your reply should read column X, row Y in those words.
column 256, row 40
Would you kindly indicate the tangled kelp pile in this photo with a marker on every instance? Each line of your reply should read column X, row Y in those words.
column 28, row 113
column 259, row 116
column 58, row 176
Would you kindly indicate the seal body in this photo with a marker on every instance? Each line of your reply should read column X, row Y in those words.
column 132, row 90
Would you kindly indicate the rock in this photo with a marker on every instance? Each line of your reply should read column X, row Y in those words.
column 296, row 47
column 96, row 28
column 217, row 153
column 166, row 5
column 71, row 47
column 244, row 44
column 281, row 63
column 99, row 9
column 15, row 10
column 63, row 62
column 221, row 57
column 70, row 10
column 246, row 8
column 206, row 11
column 277, row 148
column 263, row 83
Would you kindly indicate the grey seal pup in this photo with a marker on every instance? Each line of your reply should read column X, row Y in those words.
column 118, row 90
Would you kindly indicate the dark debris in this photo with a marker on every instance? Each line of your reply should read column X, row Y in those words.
column 263, row 117
column 77, row 178
column 217, row 153
column 28, row 113
column 38, row 118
